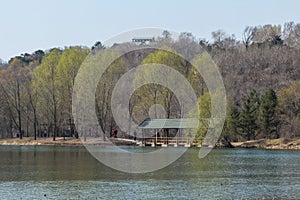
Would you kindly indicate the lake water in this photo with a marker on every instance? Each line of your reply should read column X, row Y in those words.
column 49, row 172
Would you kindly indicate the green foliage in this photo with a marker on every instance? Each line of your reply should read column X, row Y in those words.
column 105, row 87
column 289, row 107
column 47, row 80
column 151, row 94
column 204, row 103
column 289, row 99
column 233, row 122
column 167, row 56
column 40, row 85
column 67, row 67
column 205, row 106
column 249, row 116
column 268, row 116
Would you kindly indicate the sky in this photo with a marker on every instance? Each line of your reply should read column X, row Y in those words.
column 27, row 26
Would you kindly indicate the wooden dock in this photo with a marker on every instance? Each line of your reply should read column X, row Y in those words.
column 156, row 142
column 167, row 142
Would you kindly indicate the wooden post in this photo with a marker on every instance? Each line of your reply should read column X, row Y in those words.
column 155, row 137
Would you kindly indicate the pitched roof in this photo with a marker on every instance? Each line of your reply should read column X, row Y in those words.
column 168, row 123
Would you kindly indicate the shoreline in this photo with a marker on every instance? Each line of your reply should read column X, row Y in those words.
column 59, row 141
column 280, row 144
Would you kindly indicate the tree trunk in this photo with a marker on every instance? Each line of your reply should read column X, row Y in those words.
column 34, row 125
column 19, row 110
column 54, row 117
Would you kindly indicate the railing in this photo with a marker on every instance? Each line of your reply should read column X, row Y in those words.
column 167, row 140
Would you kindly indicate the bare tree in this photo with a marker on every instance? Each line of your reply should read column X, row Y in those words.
column 13, row 88
column 222, row 40
column 291, row 34
column 267, row 33
column 248, row 35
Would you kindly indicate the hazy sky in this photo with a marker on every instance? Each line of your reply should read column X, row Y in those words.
column 30, row 25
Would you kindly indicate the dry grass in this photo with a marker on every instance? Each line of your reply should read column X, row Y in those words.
column 41, row 141
column 281, row 143
column 59, row 141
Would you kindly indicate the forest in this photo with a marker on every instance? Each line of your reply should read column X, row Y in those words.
column 261, row 74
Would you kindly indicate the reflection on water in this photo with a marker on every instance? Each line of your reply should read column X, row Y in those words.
column 49, row 172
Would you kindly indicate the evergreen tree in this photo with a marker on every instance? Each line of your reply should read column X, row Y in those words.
column 232, row 127
column 268, row 120
column 249, row 115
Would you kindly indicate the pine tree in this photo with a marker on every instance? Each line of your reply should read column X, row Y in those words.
column 249, row 115
column 232, row 127
column 268, row 120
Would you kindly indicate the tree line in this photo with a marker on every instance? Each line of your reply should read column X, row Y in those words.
column 261, row 75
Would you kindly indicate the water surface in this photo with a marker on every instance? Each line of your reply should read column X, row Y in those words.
column 51, row 172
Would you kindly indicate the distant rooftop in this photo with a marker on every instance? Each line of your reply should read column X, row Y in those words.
column 143, row 40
